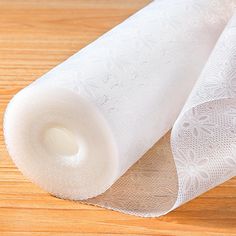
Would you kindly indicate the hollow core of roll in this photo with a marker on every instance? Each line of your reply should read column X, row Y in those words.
column 61, row 141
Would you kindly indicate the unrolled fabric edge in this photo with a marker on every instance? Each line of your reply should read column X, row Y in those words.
column 204, row 160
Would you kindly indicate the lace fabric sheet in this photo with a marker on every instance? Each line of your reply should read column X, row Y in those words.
column 203, row 142
column 204, row 136
column 160, row 53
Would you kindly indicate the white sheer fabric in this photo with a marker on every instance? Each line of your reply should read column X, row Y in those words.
column 121, row 94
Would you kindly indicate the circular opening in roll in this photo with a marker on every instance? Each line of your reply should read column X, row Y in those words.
column 60, row 141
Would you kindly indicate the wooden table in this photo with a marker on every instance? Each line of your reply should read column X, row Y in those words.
column 35, row 35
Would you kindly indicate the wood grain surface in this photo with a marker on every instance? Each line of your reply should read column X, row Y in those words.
column 36, row 35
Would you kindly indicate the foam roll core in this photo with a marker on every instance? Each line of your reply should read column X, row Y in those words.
column 65, row 141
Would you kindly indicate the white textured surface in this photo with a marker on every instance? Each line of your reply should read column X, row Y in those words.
column 121, row 94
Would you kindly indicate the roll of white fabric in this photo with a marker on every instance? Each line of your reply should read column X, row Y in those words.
column 81, row 126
